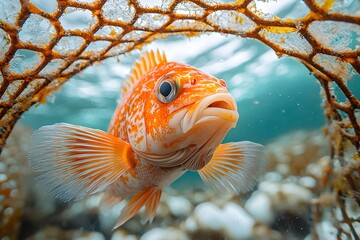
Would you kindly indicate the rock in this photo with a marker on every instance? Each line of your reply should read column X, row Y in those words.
column 164, row 234
column 179, row 206
column 163, row 210
column 122, row 235
column 57, row 233
column 209, row 216
column 232, row 220
column 273, row 177
column 259, row 206
column 308, row 182
column 287, row 196
column 262, row 231
column 190, row 225
column 79, row 235
column 238, row 224
column 47, row 233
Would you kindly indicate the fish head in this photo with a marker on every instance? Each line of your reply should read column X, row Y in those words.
column 186, row 113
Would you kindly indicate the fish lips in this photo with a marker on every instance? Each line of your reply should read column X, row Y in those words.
column 216, row 107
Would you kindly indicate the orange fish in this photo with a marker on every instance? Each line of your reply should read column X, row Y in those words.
column 172, row 118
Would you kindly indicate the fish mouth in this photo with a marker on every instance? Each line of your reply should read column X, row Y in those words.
column 216, row 107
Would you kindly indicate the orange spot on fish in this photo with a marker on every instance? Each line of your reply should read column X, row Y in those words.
column 222, row 83
column 138, row 141
column 124, row 179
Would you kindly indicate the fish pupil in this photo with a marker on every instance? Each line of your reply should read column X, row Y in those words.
column 165, row 89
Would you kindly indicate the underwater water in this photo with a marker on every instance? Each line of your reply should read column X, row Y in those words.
column 280, row 106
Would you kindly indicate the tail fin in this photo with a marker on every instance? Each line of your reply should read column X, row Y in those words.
column 73, row 162
column 234, row 167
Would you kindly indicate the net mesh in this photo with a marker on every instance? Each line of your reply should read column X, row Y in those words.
column 60, row 38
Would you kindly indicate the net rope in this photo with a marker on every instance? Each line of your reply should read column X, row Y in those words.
column 56, row 49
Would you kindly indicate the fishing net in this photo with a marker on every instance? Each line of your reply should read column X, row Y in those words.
column 61, row 38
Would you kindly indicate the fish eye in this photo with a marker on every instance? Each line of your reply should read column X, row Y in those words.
column 167, row 89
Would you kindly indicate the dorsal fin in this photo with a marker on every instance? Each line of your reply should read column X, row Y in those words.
column 147, row 61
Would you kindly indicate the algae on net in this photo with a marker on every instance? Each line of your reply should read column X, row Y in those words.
column 42, row 48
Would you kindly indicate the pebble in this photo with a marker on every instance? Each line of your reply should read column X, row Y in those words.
column 58, row 233
column 209, row 216
column 164, row 234
column 307, row 181
column 232, row 220
column 190, row 225
column 238, row 224
column 273, row 177
column 259, row 206
column 79, row 235
column 179, row 206
column 47, row 233
column 122, row 235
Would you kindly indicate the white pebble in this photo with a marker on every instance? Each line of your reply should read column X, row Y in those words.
column 3, row 177
column 269, row 187
column 283, row 168
column 191, row 225
column 309, row 182
column 291, row 190
column 296, row 193
column 3, row 167
column 273, row 177
column 286, row 196
column 164, row 234
column 122, row 235
column 259, row 206
column 238, row 223
column 90, row 236
column 179, row 206
column 298, row 149
column 209, row 216
column 93, row 201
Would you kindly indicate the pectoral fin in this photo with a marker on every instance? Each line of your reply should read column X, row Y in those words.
column 234, row 167
column 73, row 162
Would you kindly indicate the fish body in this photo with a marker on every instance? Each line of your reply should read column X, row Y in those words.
column 171, row 119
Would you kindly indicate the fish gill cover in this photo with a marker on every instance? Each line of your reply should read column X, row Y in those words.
column 43, row 45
